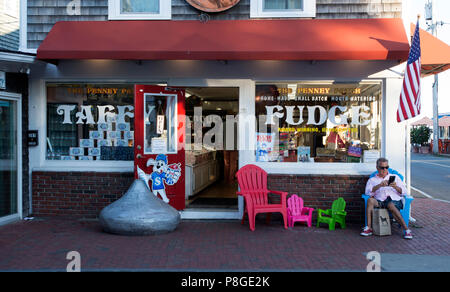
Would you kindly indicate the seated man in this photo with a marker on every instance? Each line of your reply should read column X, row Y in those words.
column 385, row 196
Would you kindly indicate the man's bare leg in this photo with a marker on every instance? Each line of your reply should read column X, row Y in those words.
column 397, row 215
column 371, row 203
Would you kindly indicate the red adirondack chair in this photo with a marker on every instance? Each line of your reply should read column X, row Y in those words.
column 253, row 186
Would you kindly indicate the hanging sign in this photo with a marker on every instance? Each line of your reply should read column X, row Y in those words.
column 160, row 124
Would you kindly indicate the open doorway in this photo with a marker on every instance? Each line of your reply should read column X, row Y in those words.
column 210, row 168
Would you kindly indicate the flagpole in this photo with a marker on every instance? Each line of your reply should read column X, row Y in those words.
column 407, row 158
column 411, row 219
column 408, row 151
column 408, row 164
column 435, row 89
column 408, row 154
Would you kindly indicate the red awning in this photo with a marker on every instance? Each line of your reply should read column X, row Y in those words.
column 435, row 54
column 444, row 121
column 298, row 39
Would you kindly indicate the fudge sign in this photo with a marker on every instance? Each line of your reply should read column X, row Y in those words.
column 212, row 5
column 358, row 113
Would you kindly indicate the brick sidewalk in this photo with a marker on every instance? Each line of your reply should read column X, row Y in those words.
column 42, row 244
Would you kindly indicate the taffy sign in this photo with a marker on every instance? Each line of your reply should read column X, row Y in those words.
column 105, row 112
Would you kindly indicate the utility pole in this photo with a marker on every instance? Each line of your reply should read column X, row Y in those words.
column 430, row 16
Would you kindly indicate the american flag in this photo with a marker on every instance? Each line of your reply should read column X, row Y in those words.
column 409, row 105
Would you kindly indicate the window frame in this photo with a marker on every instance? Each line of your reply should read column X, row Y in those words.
column 292, row 167
column 114, row 12
column 76, row 165
column 175, row 122
column 256, row 10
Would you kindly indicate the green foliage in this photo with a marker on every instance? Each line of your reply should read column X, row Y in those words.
column 420, row 135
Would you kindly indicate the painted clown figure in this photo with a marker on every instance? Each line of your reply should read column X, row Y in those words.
column 162, row 174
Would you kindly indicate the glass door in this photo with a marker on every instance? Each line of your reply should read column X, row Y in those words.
column 159, row 137
column 9, row 166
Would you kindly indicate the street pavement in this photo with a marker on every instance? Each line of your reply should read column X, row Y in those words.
column 430, row 176
column 43, row 244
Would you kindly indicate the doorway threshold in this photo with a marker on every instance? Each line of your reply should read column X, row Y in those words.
column 9, row 219
column 210, row 213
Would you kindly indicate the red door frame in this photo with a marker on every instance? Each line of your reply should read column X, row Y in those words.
column 176, row 192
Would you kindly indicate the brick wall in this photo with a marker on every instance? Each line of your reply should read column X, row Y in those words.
column 319, row 191
column 76, row 194
column 85, row 194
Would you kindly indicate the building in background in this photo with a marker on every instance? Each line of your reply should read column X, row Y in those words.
column 14, row 69
column 9, row 24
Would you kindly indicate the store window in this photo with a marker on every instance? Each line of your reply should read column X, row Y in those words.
column 90, row 122
column 139, row 9
column 305, row 122
column 444, row 132
column 282, row 4
column 282, row 8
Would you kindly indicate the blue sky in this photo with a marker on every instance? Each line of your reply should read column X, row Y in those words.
column 442, row 11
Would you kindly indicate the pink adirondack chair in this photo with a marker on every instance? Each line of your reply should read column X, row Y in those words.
column 297, row 212
column 253, row 186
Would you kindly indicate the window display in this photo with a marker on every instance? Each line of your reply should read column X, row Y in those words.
column 313, row 122
column 90, row 122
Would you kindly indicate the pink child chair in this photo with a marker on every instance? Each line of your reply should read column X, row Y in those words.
column 296, row 212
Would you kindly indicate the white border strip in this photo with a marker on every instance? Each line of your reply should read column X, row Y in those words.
column 423, row 193
column 9, row 219
column 428, row 196
column 427, row 162
column 210, row 214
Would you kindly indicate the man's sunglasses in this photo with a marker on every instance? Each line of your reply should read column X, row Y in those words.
column 383, row 167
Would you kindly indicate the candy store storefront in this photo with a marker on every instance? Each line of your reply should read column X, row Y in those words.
column 191, row 110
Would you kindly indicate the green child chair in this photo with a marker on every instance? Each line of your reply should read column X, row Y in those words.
column 334, row 215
